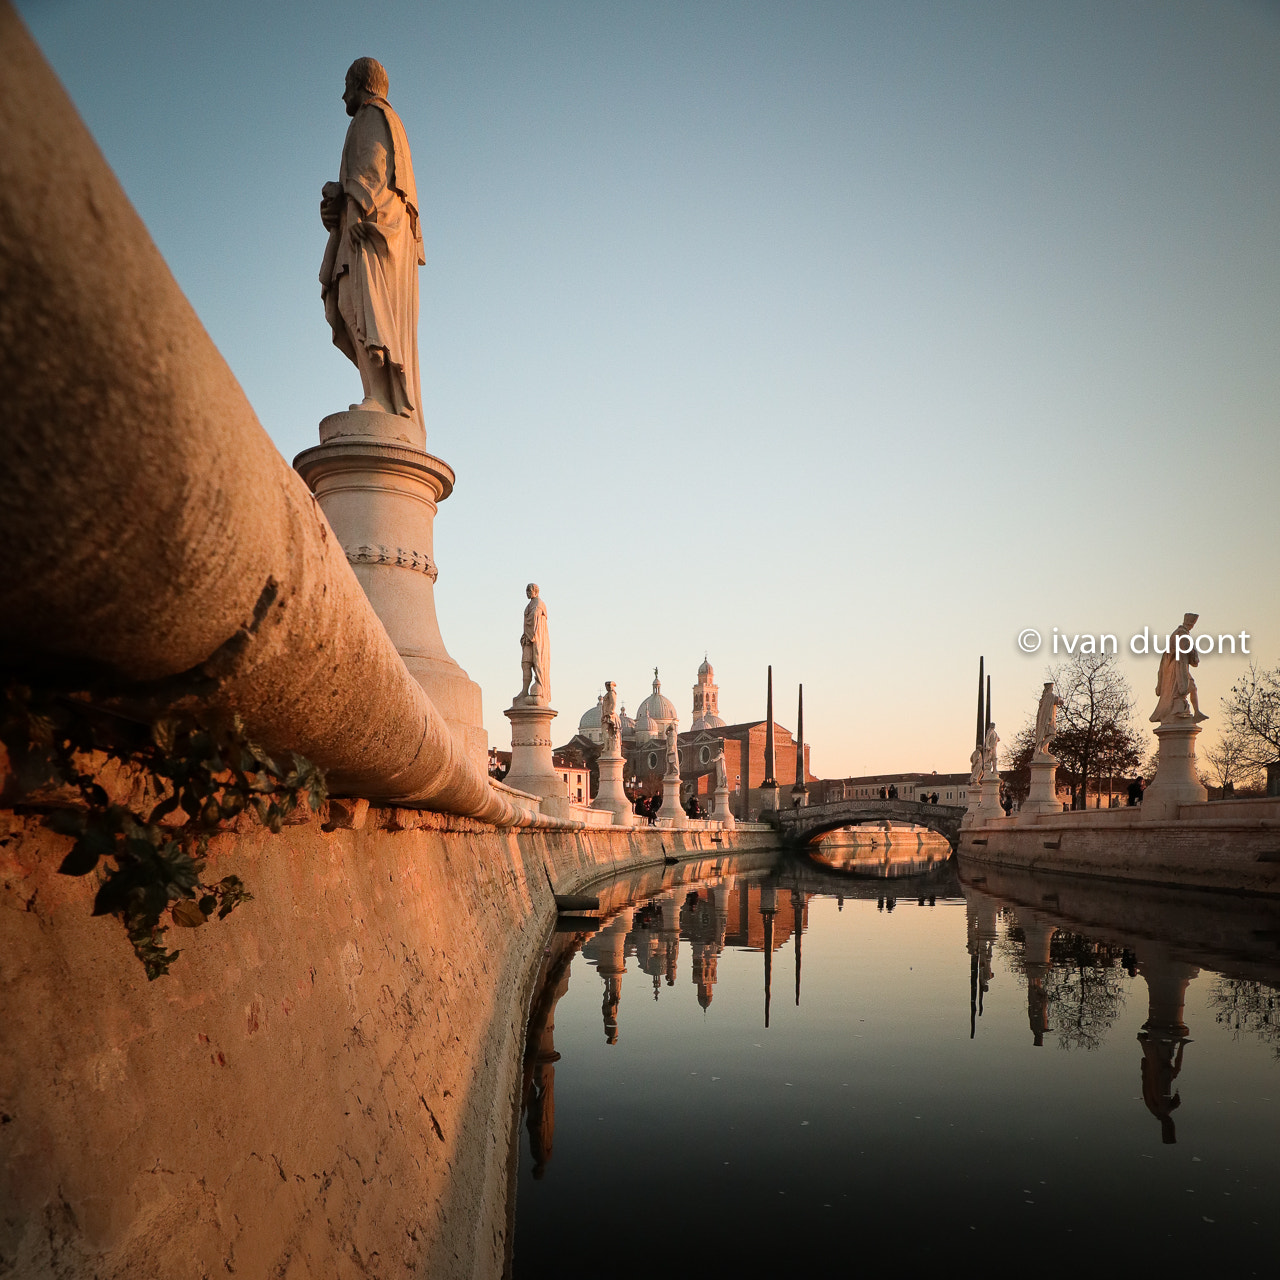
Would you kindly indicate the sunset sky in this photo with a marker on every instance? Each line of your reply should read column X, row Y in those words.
column 847, row 337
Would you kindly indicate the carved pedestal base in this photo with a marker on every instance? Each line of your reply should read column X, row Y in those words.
column 380, row 492
column 1043, row 796
column 531, row 767
column 612, row 796
column 722, row 813
column 1176, row 781
column 671, row 801
column 989, row 805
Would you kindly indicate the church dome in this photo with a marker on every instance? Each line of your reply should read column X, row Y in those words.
column 655, row 707
column 706, row 669
column 708, row 721
column 591, row 719
column 625, row 720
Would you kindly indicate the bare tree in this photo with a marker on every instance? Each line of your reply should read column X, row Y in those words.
column 1230, row 763
column 1096, row 735
column 1253, row 717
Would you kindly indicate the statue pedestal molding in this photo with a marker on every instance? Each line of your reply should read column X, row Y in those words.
column 671, row 802
column 989, row 805
column 532, row 769
column 770, row 793
column 722, row 813
column 799, row 796
column 1176, row 781
column 612, row 796
column 380, row 492
column 1043, row 796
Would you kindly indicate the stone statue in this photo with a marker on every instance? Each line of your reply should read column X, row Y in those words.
column 369, row 276
column 1175, row 687
column 990, row 753
column 722, row 773
column 975, row 767
column 673, row 752
column 535, row 649
column 1047, row 719
column 609, row 718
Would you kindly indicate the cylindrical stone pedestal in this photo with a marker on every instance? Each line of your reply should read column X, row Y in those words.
column 1176, row 781
column 1043, row 796
column 532, row 769
column 722, row 813
column 380, row 492
column 989, row 806
column 671, row 802
column 612, row 795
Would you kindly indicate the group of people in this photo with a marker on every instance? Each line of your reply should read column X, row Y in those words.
column 891, row 793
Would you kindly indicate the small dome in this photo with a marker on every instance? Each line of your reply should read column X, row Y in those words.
column 655, row 706
column 708, row 722
column 591, row 719
column 706, row 669
column 625, row 720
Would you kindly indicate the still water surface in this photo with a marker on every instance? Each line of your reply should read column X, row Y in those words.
column 759, row 1063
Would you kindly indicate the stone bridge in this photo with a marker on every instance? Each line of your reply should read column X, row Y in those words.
column 803, row 826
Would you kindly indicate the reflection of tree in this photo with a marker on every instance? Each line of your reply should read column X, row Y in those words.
column 1253, row 1007
column 1084, row 989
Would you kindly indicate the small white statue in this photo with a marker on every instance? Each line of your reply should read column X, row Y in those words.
column 535, row 649
column 1175, row 687
column 722, row 773
column 975, row 767
column 990, row 752
column 1047, row 719
column 673, row 753
column 609, row 718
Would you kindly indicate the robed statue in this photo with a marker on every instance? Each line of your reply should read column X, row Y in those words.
column 673, row 752
column 535, row 649
column 722, row 773
column 991, row 753
column 1175, row 686
column 609, row 721
column 369, row 277
column 1047, row 719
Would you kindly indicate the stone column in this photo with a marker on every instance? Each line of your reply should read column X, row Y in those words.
column 532, row 769
column 989, row 804
column 612, row 795
column 380, row 490
column 1043, row 796
column 1176, row 781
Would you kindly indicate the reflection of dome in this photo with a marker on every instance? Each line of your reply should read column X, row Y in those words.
column 656, row 708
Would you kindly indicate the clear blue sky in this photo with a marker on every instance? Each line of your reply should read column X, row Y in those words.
column 848, row 337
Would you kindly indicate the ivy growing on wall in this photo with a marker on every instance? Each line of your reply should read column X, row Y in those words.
column 186, row 781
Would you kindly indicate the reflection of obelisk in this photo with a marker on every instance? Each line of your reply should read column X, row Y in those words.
column 797, row 932
column 980, row 917
column 1164, row 1034
column 768, row 909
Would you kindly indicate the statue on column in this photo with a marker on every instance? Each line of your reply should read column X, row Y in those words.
column 990, row 753
column 1047, row 719
column 673, row 752
column 722, row 773
column 609, row 721
column 535, row 649
column 1175, row 686
column 369, row 276
column 975, row 767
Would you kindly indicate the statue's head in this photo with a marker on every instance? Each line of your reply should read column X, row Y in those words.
column 366, row 77
column 531, row 590
column 608, row 684
column 1189, row 620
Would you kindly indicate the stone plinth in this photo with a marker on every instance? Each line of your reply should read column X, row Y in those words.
column 380, row 492
column 1176, row 781
column 612, row 795
column 1043, row 796
column 532, row 769
column 770, row 796
column 671, row 802
column 722, row 813
column 989, row 804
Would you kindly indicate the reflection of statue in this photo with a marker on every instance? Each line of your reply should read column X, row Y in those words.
column 369, row 277
column 990, row 753
column 535, row 648
column 975, row 767
column 1175, row 687
column 673, row 754
column 1047, row 719
column 609, row 717
column 1161, row 1063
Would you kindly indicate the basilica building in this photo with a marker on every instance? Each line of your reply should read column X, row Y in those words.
column 644, row 743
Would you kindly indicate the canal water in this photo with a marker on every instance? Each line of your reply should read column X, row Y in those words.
column 763, row 1063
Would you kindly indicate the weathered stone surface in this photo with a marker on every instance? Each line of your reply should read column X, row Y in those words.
column 326, row 1084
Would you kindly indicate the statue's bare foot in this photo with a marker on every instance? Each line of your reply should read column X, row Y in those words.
column 368, row 405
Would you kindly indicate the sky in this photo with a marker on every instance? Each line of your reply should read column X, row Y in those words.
column 851, row 338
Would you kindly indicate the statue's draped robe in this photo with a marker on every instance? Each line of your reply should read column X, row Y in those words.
column 381, row 274
column 538, row 646
column 1173, row 681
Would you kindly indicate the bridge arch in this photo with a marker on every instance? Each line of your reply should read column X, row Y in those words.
column 803, row 826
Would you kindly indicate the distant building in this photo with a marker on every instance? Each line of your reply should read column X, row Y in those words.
column 952, row 788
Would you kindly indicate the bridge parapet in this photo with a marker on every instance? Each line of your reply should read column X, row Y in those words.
column 804, row 825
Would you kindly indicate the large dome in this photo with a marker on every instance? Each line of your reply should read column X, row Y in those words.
column 591, row 718
column 655, row 706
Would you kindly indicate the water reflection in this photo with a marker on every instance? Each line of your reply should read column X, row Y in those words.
column 1074, row 960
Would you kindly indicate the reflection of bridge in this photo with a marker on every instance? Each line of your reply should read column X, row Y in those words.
column 804, row 825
